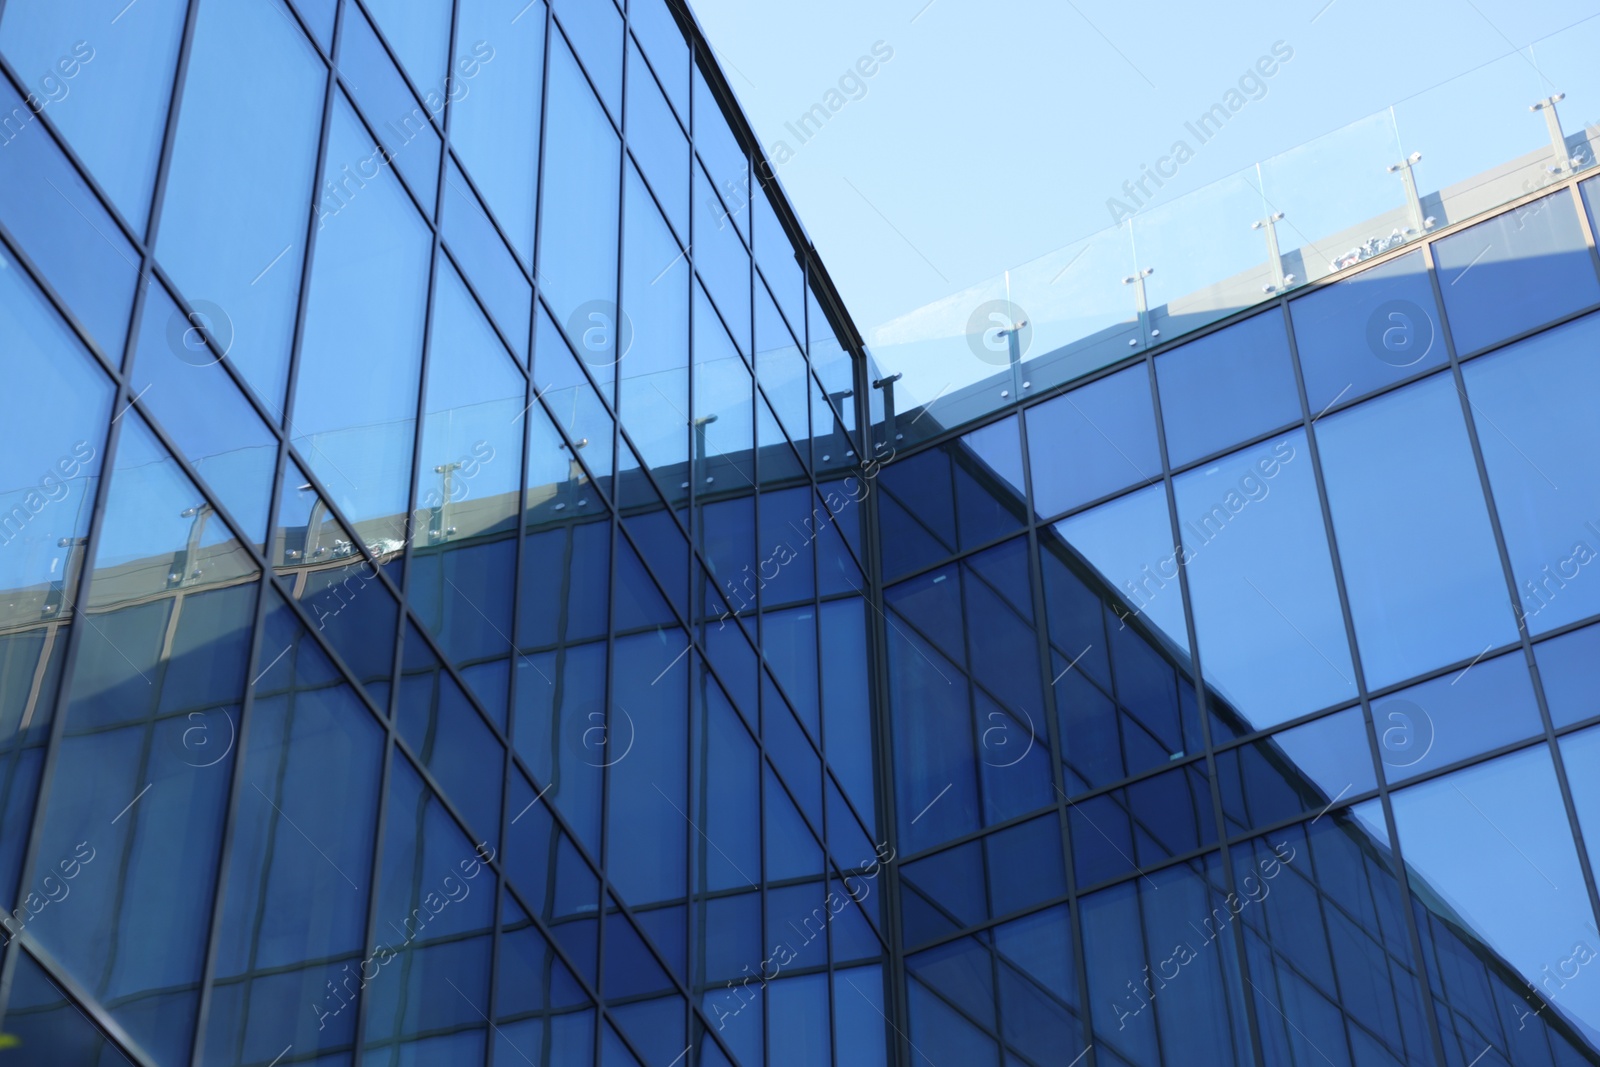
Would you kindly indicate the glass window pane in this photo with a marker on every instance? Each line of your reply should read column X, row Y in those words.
column 368, row 294
column 664, row 44
column 1303, row 769
column 1494, row 833
column 658, row 143
column 1127, row 544
column 721, row 260
column 448, row 736
column 198, row 403
column 1362, row 333
column 724, row 412
column 64, row 228
column 435, row 926
column 467, row 490
column 1455, row 716
column 487, row 262
column 780, row 367
column 1566, row 668
column 578, row 215
column 595, row 30
column 419, row 33
column 300, row 868
column 724, row 160
column 1173, row 915
column 1534, row 408
column 410, row 139
column 121, row 78
column 646, row 752
column 1125, row 830
column 352, row 609
column 41, row 1017
column 560, row 730
column 51, row 462
column 1516, row 271
column 1425, row 583
column 1227, row 386
column 654, row 367
column 1093, row 441
column 494, row 123
column 1271, row 630
column 233, row 225
column 137, row 799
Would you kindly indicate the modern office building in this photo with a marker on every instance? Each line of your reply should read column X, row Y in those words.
column 471, row 597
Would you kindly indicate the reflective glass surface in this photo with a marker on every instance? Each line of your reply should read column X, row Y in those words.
column 386, row 677
column 1425, row 584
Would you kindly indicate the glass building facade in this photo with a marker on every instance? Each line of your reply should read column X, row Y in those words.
column 598, row 669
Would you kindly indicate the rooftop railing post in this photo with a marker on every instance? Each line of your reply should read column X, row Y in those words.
column 1280, row 280
column 1142, row 304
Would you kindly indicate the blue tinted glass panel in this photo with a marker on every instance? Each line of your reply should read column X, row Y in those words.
column 560, row 730
column 1580, row 752
column 1515, row 271
column 419, row 33
column 1128, row 546
column 64, row 228
column 1227, row 386
column 435, row 925
column 1533, row 405
column 1367, row 331
column 51, row 463
column 1487, row 705
column 668, row 52
column 646, row 750
column 799, row 1032
column 724, row 160
column 197, row 402
column 578, row 222
column 298, row 879
column 368, row 293
column 1093, row 441
column 595, row 30
column 489, row 265
column 402, row 125
column 494, row 123
column 116, row 65
column 449, row 737
column 658, row 143
column 1566, row 668
column 1180, row 913
column 1425, row 584
column 1271, row 630
column 40, row 1016
column 233, row 228
column 1303, row 769
column 990, row 500
column 654, row 366
column 139, row 800
column 858, row 1019
column 1499, row 832
column 721, row 260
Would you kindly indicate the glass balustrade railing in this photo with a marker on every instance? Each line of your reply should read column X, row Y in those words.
column 1464, row 147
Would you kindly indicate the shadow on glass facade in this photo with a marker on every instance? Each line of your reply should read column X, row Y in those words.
column 379, row 670
column 456, row 612
column 1234, row 695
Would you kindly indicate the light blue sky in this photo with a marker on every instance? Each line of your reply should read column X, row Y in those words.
column 999, row 129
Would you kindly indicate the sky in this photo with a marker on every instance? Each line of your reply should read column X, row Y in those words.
column 996, row 131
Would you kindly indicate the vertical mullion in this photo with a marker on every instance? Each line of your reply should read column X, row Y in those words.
column 123, row 399
column 1054, row 730
column 1504, row 554
column 1202, row 711
column 1402, row 879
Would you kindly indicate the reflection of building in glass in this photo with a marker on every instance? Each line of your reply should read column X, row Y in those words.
column 1315, row 904
column 501, row 615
